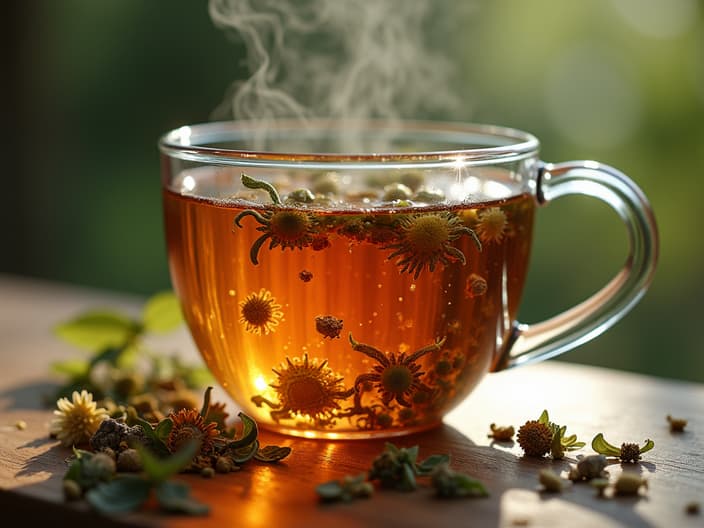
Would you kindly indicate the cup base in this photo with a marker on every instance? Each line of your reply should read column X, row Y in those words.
column 348, row 435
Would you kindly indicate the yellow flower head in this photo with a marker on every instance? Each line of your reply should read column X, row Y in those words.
column 77, row 420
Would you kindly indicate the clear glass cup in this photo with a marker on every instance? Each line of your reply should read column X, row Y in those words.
column 352, row 280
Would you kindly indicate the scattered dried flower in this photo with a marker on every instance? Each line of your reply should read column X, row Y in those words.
column 692, row 508
column 20, row 425
column 188, row 424
column 627, row 453
column 677, row 425
column 305, row 276
column 72, row 490
column 207, row 472
column 75, row 421
column 600, row 485
column 260, row 313
column 501, row 433
column 535, row 438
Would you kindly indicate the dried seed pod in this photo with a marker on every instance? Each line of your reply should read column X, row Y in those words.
column 551, row 481
column 629, row 452
column 223, row 465
column 207, row 472
column 328, row 326
column 396, row 191
column 600, row 484
column 535, row 438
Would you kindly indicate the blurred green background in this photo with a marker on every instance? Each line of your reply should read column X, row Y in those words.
column 89, row 86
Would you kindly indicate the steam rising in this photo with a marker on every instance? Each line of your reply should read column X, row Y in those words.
column 341, row 59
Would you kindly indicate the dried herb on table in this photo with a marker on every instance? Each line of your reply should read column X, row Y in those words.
column 538, row 437
column 501, row 433
column 677, row 425
column 397, row 468
column 627, row 453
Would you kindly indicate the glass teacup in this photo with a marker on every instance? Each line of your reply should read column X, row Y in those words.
column 347, row 280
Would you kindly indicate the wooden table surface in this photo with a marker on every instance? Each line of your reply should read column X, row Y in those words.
column 626, row 407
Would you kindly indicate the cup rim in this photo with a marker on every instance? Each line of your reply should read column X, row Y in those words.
column 190, row 142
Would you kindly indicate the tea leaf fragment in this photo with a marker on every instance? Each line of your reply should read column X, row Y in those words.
column 123, row 494
column 272, row 453
column 97, row 330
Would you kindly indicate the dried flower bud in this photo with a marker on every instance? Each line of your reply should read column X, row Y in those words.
column 535, row 438
column 629, row 484
column 328, row 326
column 223, row 465
column 72, row 490
column 629, row 452
column 20, row 425
column 600, row 484
column 207, row 472
column 99, row 467
column 677, row 425
column 300, row 196
column 305, row 275
column 129, row 461
column 501, row 433
column 551, row 481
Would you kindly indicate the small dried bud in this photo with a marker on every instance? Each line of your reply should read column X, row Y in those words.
column 207, row 472
column 629, row 452
column 677, row 425
column 475, row 286
column 535, row 438
column 551, row 481
column 300, row 196
column 109, row 452
column 501, row 433
column 629, row 484
column 20, row 425
column 305, row 276
column 223, row 465
column 99, row 467
column 384, row 420
column 328, row 326
column 412, row 179
column 692, row 508
column 72, row 490
column 129, row 461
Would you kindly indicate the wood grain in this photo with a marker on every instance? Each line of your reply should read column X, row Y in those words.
column 626, row 407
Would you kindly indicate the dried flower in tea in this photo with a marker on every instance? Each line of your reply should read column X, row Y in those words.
column 328, row 326
column 260, row 313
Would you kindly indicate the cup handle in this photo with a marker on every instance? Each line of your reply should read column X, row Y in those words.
column 529, row 343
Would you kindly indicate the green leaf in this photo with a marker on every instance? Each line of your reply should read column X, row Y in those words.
column 602, row 447
column 408, row 482
column 411, row 454
column 251, row 183
column 544, row 418
column 249, row 433
column 96, row 330
column 243, row 454
column 160, row 469
column 151, row 433
column 272, row 453
column 109, row 354
column 163, row 429
column 162, row 313
column 426, row 467
column 75, row 368
column 175, row 497
column 122, row 494
column 649, row 444
column 196, row 377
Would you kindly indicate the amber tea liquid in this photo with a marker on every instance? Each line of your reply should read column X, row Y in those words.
column 338, row 322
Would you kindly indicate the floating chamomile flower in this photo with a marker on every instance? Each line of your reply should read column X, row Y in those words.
column 188, row 424
column 492, row 225
column 395, row 377
column 286, row 227
column 76, row 420
column 426, row 239
column 260, row 313
column 305, row 388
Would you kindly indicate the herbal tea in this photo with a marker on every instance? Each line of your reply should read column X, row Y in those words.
column 340, row 315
